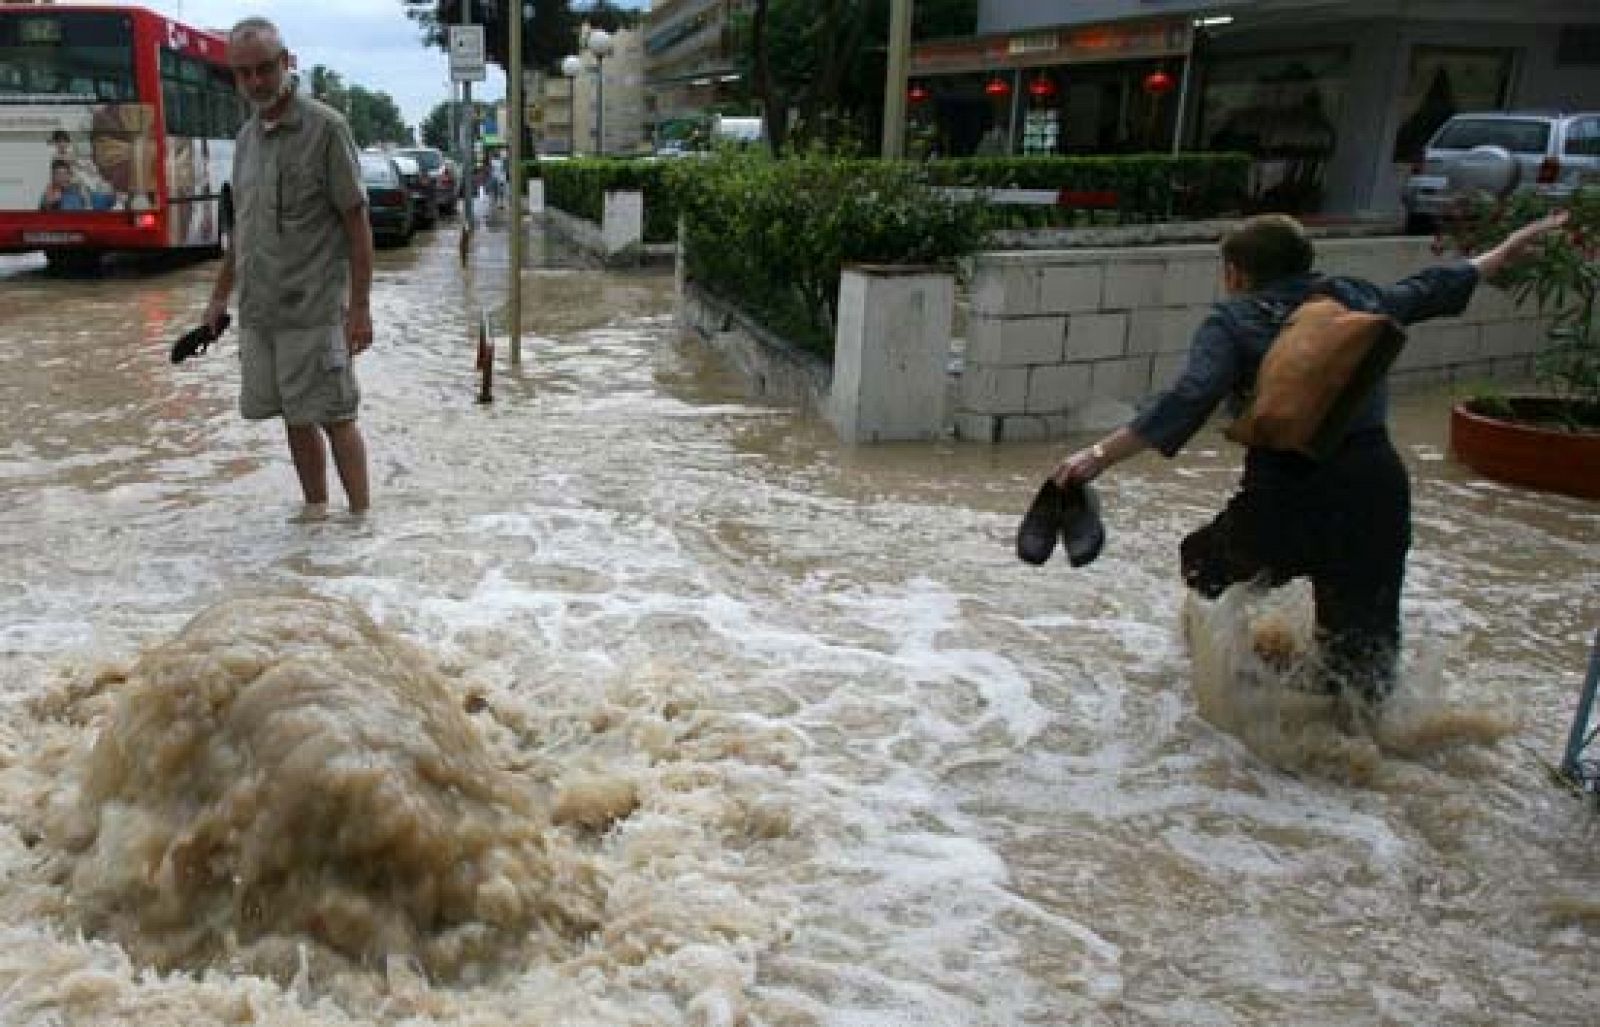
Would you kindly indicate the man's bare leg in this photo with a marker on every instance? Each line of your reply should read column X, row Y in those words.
column 311, row 464
column 350, row 459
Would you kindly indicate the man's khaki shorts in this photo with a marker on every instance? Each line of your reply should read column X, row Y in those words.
column 303, row 375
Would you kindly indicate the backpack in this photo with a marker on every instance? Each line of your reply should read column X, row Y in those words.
column 1317, row 374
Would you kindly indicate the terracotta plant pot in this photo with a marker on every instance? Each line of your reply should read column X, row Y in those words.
column 1522, row 444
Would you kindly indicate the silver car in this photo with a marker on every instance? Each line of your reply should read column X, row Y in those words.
column 1497, row 154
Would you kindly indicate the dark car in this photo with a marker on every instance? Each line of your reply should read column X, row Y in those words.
column 389, row 206
column 424, row 197
column 440, row 171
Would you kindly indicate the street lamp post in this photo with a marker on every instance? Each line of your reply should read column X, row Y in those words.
column 572, row 67
column 600, row 45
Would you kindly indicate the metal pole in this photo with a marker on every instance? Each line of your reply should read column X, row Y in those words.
column 467, row 124
column 894, row 86
column 599, row 105
column 514, row 119
column 1183, row 94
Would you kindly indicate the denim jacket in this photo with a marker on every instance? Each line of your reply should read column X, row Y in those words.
column 1228, row 346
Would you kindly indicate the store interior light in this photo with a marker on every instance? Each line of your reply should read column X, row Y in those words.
column 1213, row 21
column 997, row 87
column 918, row 93
column 1042, row 87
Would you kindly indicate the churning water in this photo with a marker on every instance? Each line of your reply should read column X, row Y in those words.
column 636, row 703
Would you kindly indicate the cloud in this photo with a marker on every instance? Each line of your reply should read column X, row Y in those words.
column 368, row 42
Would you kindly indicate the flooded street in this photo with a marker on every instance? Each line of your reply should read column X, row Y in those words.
column 794, row 737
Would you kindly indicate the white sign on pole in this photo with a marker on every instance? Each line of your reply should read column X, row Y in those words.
column 466, row 54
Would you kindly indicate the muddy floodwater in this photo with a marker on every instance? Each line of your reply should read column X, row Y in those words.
column 635, row 701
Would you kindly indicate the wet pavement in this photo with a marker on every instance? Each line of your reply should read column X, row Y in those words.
column 885, row 773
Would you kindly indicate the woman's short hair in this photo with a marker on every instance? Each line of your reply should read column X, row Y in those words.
column 1268, row 247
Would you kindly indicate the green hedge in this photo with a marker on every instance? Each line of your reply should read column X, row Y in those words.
column 1147, row 187
column 774, row 236
column 579, row 187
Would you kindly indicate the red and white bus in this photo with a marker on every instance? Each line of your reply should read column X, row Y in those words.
column 116, row 132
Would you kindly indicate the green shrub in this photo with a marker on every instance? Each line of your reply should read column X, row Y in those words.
column 579, row 187
column 774, row 236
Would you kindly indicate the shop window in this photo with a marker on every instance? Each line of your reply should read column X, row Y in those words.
column 1443, row 82
column 1283, row 108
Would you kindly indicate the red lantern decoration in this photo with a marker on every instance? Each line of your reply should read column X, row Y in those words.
column 1158, row 82
column 997, row 87
column 1042, row 87
column 918, row 93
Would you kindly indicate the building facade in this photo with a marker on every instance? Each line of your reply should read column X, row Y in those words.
column 609, row 97
column 1335, row 99
column 691, row 68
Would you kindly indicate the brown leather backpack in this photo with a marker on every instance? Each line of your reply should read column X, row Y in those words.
column 1317, row 373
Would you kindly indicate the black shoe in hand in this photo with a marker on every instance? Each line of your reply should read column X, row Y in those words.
column 1041, row 525
column 1082, row 532
column 198, row 340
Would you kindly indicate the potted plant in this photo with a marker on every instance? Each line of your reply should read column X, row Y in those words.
column 1549, row 440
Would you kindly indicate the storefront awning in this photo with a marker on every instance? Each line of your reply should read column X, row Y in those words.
column 1124, row 41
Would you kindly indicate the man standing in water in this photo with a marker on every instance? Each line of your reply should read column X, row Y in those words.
column 1344, row 521
column 302, row 255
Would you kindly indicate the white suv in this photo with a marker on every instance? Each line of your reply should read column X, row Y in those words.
column 1554, row 154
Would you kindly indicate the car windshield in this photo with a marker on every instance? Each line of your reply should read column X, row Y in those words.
column 1516, row 136
column 378, row 171
column 430, row 160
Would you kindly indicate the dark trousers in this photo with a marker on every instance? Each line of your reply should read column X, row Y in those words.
column 1344, row 522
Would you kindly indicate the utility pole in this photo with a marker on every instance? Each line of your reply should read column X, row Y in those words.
column 894, row 88
column 467, row 124
column 514, row 119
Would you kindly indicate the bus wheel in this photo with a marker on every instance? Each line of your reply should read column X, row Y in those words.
column 73, row 262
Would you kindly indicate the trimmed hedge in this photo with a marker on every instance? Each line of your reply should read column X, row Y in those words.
column 579, row 187
column 1144, row 188
column 773, row 237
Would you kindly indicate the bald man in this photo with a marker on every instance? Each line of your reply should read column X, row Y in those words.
column 302, row 257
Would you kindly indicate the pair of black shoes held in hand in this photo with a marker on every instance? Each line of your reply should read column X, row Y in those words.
column 197, row 340
column 1070, row 515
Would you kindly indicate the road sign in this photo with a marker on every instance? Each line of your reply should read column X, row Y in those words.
column 466, row 54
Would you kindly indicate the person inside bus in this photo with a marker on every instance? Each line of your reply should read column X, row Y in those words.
column 302, row 258
column 64, row 192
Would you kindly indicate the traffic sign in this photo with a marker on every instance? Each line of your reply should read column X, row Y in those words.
column 466, row 54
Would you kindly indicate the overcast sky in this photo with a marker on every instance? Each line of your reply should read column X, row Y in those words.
column 369, row 42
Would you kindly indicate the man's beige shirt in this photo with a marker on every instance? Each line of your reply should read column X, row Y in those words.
column 291, row 181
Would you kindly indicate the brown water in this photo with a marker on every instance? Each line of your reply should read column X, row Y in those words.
column 669, row 709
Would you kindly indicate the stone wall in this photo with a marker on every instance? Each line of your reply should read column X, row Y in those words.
column 1072, row 340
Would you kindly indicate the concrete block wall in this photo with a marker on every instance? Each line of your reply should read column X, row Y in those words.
column 1068, row 340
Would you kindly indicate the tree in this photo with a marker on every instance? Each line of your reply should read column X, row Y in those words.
column 436, row 127
column 548, row 36
column 374, row 118
column 824, row 60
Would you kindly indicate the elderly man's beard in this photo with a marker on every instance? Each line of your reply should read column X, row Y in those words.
column 262, row 106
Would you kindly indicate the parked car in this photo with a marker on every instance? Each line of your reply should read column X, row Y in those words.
column 424, row 197
column 1500, row 153
column 389, row 207
column 440, row 171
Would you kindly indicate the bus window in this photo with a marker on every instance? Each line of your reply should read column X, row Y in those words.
column 62, row 54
